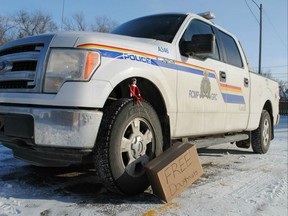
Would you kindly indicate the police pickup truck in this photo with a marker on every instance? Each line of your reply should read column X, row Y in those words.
column 70, row 96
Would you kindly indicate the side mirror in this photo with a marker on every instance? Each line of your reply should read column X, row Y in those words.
column 199, row 45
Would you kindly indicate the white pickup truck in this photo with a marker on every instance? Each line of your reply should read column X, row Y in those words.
column 66, row 97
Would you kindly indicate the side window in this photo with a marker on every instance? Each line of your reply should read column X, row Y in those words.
column 198, row 27
column 232, row 52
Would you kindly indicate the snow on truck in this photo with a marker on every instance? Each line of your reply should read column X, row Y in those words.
column 66, row 97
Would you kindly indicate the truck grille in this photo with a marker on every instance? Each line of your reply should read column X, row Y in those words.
column 18, row 66
column 22, row 62
column 24, row 66
column 19, row 49
column 14, row 85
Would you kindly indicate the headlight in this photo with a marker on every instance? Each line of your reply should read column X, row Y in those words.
column 69, row 65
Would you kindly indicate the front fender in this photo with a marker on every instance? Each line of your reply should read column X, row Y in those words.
column 164, row 79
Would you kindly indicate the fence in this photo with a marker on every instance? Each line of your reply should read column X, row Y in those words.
column 283, row 107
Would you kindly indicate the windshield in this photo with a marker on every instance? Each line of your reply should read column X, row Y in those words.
column 160, row 27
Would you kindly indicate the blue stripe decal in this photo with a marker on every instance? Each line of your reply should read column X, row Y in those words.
column 180, row 68
column 229, row 98
column 212, row 75
column 190, row 70
column 119, row 55
column 110, row 54
column 164, row 64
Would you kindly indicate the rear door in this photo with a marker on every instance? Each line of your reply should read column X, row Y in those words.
column 234, row 83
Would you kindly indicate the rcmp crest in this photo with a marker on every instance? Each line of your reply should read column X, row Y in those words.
column 205, row 89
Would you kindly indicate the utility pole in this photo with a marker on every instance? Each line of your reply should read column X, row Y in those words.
column 260, row 40
column 260, row 35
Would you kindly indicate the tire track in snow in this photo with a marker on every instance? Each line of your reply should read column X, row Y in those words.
column 277, row 189
column 9, row 208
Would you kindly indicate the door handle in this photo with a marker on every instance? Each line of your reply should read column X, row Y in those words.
column 222, row 76
column 246, row 82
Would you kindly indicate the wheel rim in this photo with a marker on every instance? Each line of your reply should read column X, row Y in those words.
column 137, row 146
column 266, row 132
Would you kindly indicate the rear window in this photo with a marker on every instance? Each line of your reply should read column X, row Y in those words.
column 233, row 56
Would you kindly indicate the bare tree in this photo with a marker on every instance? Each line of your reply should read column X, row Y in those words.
column 6, row 27
column 33, row 23
column 103, row 24
column 76, row 23
column 25, row 23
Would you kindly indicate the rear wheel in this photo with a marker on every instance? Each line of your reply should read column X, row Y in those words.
column 262, row 135
column 129, row 136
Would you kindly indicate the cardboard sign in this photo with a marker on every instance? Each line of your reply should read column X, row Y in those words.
column 174, row 170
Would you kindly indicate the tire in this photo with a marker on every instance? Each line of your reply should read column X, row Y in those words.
column 129, row 136
column 262, row 135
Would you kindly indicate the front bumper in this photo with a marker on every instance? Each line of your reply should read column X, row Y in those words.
column 49, row 127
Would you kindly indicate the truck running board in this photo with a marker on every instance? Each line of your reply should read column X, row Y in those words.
column 206, row 142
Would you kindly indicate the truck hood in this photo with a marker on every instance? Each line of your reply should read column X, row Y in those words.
column 113, row 41
column 95, row 40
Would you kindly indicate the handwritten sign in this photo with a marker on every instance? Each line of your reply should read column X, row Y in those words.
column 174, row 170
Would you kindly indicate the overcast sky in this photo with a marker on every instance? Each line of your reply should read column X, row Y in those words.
column 233, row 15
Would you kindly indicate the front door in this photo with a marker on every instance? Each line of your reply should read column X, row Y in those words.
column 201, row 107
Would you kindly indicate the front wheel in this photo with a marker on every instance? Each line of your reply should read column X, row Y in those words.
column 129, row 137
column 262, row 135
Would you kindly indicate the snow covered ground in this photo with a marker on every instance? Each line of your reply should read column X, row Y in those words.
column 236, row 182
